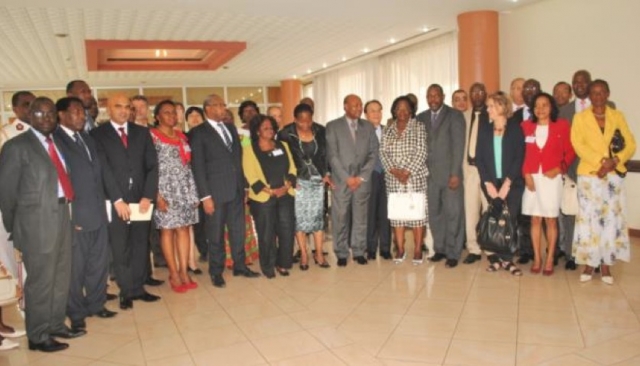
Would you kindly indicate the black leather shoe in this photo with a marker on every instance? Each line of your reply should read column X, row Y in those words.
column 78, row 324
column 50, row 345
column 105, row 313
column 360, row 259
column 218, row 281
column 342, row 262
column 524, row 259
column 451, row 263
column 153, row 282
column 571, row 265
column 111, row 296
column 126, row 303
column 282, row 272
column 69, row 333
column 438, row 257
column 472, row 258
column 196, row 271
column 147, row 297
column 371, row 256
column 246, row 273
column 385, row 255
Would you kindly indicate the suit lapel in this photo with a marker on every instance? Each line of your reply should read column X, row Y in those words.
column 39, row 149
column 216, row 135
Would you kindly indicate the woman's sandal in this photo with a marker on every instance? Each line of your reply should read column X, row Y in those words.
column 508, row 266
column 493, row 267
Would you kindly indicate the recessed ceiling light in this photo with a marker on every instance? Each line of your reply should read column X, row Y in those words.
column 425, row 29
column 259, row 90
column 392, row 40
column 295, row 76
column 250, row 94
column 324, row 65
column 365, row 50
column 308, row 71
column 344, row 58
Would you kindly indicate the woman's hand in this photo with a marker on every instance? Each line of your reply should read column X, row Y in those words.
column 528, row 181
column 552, row 173
column 504, row 190
column 491, row 190
column 328, row 181
column 163, row 206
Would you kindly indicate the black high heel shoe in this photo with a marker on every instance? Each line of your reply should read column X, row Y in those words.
column 324, row 264
column 304, row 267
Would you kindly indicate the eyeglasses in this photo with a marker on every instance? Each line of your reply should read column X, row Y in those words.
column 41, row 114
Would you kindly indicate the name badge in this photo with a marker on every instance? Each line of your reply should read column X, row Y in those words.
column 530, row 139
column 277, row 152
column 186, row 147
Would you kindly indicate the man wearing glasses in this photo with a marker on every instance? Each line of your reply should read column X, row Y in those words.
column 35, row 202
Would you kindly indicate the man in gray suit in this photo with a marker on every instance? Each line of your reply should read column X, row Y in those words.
column 445, row 143
column 34, row 199
column 352, row 150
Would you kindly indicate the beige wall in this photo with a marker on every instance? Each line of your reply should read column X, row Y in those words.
column 551, row 39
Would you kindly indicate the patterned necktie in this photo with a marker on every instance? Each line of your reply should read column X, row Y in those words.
column 81, row 144
column 63, row 177
column 123, row 137
column 225, row 136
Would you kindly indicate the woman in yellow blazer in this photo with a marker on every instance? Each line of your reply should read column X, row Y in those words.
column 601, row 235
column 271, row 175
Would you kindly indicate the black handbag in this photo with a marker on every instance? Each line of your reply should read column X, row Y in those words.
column 497, row 232
column 615, row 146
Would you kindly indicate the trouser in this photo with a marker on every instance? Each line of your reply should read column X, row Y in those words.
column 199, row 234
column 566, row 225
column 474, row 204
column 349, row 219
column 231, row 215
column 446, row 219
column 275, row 225
column 378, row 226
column 524, row 230
column 89, row 270
column 47, row 286
column 130, row 249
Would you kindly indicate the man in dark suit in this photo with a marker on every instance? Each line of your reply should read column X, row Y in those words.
column 217, row 169
column 530, row 89
column 130, row 169
column 352, row 150
column 90, row 250
column 445, row 142
column 34, row 199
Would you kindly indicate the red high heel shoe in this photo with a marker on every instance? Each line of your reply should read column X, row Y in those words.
column 190, row 285
column 547, row 272
column 178, row 288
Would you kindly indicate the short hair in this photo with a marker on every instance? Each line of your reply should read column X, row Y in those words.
column 15, row 98
column 400, row 99
column 582, row 72
column 565, row 84
column 373, row 101
column 209, row 99
column 437, row 86
column 63, row 104
column 257, row 121
column 273, row 107
column 159, row 106
column 477, row 85
column 502, row 99
column 599, row 82
column 553, row 116
column 245, row 104
column 39, row 101
column 142, row 98
column 517, row 79
column 459, row 91
column 179, row 104
column 344, row 101
column 194, row 109
column 72, row 84
column 302, row 108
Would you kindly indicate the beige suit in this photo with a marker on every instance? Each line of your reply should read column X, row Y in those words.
column 474, row 201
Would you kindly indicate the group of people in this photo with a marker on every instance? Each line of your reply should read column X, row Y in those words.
column 218, row 187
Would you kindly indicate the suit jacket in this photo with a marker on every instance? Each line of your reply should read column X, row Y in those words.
column 289, row 134
column 349, row 159
column 129, row 173
column 557, row 152
column 88, row 206
column 445, row 144
column 512, row 156
column 254, row 172
column 29, row 194
column 216, row 170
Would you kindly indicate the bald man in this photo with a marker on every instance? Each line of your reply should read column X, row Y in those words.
column 130, row 167
column 516, row 93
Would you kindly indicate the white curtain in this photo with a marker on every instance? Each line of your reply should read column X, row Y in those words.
column 408, row 70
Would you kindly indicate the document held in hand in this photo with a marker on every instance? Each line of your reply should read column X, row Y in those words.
column 136, row 215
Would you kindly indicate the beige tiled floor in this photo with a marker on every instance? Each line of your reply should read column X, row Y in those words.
column 379, row 314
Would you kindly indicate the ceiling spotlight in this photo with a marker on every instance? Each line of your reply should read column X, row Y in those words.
column 236, row 101
column 365, row 50
column 425, row 29
column 157, row 53
column 295, row 76
column 324, row 65
column 308, row 71
column 344, row 58
column 259, row 90
column 392, row 40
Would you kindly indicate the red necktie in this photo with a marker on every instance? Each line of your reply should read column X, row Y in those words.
column 63, row 177
column 123, row 137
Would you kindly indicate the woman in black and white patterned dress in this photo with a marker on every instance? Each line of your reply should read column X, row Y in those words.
column 177, row 199
column 403, row 152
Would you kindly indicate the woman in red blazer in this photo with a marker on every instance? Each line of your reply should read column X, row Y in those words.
column 548, row 154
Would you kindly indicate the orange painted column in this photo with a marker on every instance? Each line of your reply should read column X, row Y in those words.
column 478, row 50
column 290, row 94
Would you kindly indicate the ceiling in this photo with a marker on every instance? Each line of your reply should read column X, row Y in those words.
column 284, row 37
